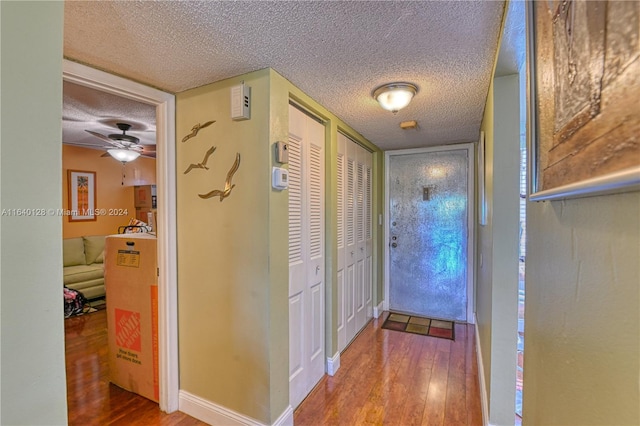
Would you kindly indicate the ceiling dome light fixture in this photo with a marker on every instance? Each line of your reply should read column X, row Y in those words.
column 395, row 96
column 123, row 155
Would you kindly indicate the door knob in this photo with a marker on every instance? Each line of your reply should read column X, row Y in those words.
column 394, row 245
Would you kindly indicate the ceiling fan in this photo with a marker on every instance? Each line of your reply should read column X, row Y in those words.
column 124, row 148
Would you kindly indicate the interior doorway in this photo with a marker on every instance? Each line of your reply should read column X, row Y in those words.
column 429, row 229
column 166, row 224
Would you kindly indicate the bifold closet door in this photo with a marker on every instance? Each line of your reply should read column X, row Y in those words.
column 354, row 170
column 306, row 254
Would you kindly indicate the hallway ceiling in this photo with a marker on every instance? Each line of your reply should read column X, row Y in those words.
column 336, row 52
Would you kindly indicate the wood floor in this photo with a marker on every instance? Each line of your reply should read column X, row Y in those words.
column 386, row 378
column 91, row 399
column 393, row 378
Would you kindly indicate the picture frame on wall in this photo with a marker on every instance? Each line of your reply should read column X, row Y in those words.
column 82, row 195
column 584, row 86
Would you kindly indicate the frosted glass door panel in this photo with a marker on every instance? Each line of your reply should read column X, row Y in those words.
column 428, row 234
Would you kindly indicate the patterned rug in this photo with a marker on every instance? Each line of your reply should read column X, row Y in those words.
column 419, row 325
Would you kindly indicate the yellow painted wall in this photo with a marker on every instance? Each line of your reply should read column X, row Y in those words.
column 110, row 193
column 233, row 255
column 582, row 315
column 224, row 285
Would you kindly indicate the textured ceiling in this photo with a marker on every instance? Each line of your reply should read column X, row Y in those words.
column 337, row 52
column 90, row 109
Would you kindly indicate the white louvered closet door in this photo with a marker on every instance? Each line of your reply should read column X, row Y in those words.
column 350, row 233
column 306, row 254
column 354, row 239
column 368, row 234
column 341, row 240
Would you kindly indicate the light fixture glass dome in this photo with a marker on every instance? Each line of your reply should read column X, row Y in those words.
column 395, row 96
column 124, row 155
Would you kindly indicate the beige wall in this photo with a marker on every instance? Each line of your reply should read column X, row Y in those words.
column 33, row 382
column 582, row 323
column 224, row 285
column 111, row 194
column 233, row 255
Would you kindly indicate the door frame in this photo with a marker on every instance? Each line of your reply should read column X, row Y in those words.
column 166, row 185
column 469, row 147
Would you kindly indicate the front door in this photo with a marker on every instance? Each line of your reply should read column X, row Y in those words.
column 429, row 212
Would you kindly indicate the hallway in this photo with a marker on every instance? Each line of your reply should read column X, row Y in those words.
column 386, row 377
column 394, row 378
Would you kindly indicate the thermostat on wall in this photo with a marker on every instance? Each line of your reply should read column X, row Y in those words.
column 280, row 178
column 241, row 102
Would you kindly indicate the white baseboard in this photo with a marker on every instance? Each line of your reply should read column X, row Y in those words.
column 377, row 310
column 215, row 414
column 333, row 364
column 286, row 418
column 483, row 389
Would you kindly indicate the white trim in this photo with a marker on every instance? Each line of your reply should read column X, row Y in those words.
column 165, row 181
column 377, row 310
column 483, row 389
column 470, row 218
column 214, row 414
column 286, row 418
column 333, row 364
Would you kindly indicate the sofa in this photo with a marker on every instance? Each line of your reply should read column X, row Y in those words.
column 83, row 265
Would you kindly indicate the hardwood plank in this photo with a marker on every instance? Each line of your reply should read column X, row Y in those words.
column 394, row 378
column 437, row 393
column 456, row 403
column 386, row 377
column 394, row 406
column 381, row 396
column 414, row 409
column 91, row 399
column 474, row 406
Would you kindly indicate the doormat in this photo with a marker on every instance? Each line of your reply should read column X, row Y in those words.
column 419, row 325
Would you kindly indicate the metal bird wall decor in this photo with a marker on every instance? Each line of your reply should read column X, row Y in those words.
column 224, row 193
column 203, row 164
column 195, row 129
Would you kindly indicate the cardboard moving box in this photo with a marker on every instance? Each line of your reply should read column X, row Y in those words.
column 131, row 282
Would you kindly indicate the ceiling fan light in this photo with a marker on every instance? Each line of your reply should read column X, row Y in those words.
column 395, row 96
column 124, row 155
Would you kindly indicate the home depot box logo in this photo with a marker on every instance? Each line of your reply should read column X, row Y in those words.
column 128, row 333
